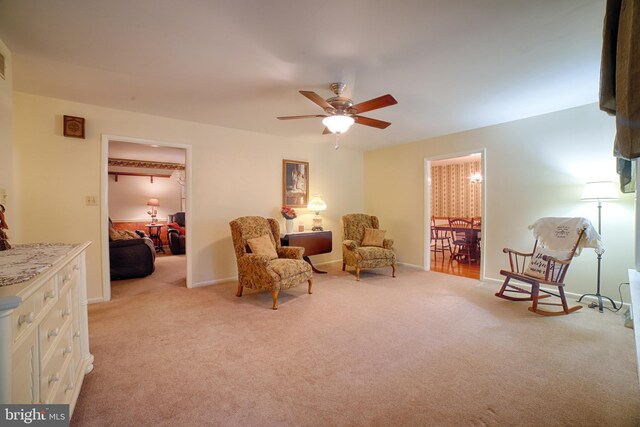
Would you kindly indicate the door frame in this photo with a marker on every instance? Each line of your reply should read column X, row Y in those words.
column 104, row 204
column 427, row 203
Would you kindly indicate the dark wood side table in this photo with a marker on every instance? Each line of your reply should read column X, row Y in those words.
column 154, row 235
column 313, row 242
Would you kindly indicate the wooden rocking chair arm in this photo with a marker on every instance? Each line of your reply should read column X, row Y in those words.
column 513, row 251
column 549, row 258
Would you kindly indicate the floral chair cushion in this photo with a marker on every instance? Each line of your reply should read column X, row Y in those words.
column 263, row 245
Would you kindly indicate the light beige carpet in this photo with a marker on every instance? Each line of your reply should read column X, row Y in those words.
column 421, row 349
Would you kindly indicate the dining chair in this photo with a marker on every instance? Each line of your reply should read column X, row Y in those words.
column 440, row 236
column 463, row 239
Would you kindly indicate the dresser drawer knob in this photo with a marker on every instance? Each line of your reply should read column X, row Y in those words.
column 25, row 318
column 76, row 334
column 49, row 294
column 53, row 332
column 68, row 387
column 76, row 267
column 54, row 378
column 66, row 312
column 66, row 351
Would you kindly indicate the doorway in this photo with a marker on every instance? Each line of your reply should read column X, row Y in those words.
column 143, row 187
column 455, row 196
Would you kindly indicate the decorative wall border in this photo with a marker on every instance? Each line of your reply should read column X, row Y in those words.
column 128, row 163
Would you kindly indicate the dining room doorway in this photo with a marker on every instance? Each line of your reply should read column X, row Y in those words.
column 454, row 213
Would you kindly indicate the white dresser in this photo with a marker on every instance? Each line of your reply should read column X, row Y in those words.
column 44, row 336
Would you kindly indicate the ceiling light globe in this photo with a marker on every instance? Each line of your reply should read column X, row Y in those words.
column 338, row 124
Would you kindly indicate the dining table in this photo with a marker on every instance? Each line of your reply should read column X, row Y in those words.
column 476, row 230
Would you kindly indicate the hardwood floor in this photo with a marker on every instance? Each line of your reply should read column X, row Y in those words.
column 444, row 265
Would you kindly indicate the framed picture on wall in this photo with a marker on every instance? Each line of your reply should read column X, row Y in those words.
column 295, row 184
column 73, row 126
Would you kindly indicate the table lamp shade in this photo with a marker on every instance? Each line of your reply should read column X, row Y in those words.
column 317, row 205
column 600, row 190
column 153, row 202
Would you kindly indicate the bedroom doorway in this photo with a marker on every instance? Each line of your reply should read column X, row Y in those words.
column 454, row 212
column 145, row 189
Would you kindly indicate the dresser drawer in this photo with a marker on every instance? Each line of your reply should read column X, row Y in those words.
column 25, row 317
column 68, row 275
column 63, row 393
column 54, row 323
column 54, row 367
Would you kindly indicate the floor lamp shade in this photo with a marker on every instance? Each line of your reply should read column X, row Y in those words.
column 600, row 190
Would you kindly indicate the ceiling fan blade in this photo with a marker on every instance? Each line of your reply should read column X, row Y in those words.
column 326, row 131
column 317, row 99
column 300, row 117
column 372, row 122
column 374, row 104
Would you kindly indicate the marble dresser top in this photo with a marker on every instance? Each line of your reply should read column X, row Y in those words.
column 23, row 262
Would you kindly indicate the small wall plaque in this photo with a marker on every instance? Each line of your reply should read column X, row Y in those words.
column 74, row 126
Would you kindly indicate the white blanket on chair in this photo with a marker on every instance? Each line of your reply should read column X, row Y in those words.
column 560, row 234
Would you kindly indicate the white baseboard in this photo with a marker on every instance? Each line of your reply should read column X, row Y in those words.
column 406, row 264
column 95, row 300
column 214, row 282
column 569, row 295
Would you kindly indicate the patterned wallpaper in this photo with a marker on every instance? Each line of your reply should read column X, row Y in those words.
column 452, row 192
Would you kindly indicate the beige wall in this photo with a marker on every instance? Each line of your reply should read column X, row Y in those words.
column 129, row 196
column 235, row 173
column 534, row 167
column 6, row 148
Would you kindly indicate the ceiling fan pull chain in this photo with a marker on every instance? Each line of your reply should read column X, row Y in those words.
column 337, row 145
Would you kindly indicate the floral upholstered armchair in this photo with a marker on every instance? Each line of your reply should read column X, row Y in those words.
column 263, row 264
column 364, row 245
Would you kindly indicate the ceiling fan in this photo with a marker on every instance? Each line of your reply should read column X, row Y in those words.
column 341, row 113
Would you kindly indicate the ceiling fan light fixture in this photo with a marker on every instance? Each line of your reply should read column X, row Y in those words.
column 338, row 123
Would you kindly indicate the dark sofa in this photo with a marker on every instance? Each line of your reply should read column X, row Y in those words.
column 131, row 258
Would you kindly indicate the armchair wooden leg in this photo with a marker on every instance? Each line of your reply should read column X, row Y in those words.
column 358, row 274
column 310, row 284
column 239, row 293
column 344, row 265
column 274, row 295
column 393, row 266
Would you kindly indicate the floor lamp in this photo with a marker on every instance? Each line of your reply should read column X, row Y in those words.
column 599, row 191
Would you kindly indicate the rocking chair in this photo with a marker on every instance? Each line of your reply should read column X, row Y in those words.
column 557, row 241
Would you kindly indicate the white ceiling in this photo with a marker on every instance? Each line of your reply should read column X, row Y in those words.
column 452, row 65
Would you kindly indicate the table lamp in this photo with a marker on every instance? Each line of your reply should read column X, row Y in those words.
column 317, row 205
column 154, row 203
